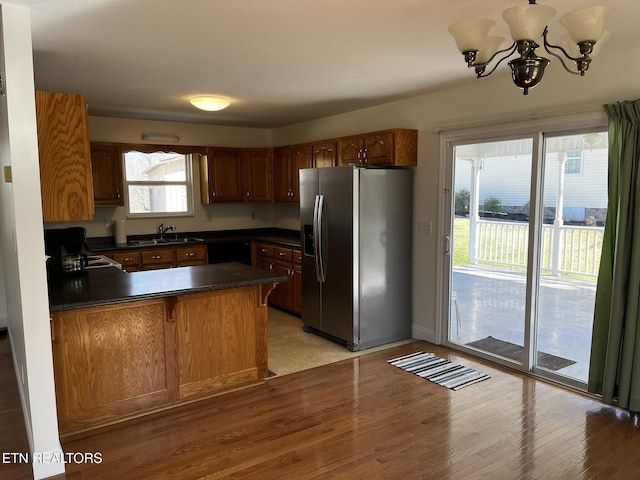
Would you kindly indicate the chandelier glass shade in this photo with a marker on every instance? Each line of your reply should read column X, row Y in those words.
column 527, row 25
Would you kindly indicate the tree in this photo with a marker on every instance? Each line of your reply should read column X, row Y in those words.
column 492, row 204
column 463, row 197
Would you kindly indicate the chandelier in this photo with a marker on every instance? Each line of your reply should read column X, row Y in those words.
column 527, row 24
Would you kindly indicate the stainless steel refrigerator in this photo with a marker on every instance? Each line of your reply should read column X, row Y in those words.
column 356, row 227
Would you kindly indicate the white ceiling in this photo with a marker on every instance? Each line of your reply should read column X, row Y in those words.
column 279, row 61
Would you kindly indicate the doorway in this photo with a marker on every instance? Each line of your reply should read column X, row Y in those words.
column 524, row 230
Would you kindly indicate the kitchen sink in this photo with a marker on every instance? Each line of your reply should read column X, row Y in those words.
column 166, row 241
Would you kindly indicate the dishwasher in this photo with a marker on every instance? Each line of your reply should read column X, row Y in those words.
column 229, row 251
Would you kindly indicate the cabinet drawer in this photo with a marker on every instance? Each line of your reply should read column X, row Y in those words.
column 297, row 256
column 157, row 255
column 127, row 258
column 265, row 250
column 282, row 254
column 191, row 254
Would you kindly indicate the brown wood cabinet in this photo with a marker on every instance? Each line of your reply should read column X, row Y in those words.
column 287, row 164
column 110, row 361
column 65, row 157
column 237, row 175
column 325, row 154
column 133, row 260
column 129, row 259
column 224, row 175
column 116, row 362
column 106, row 168
column 397, row 147
column 282, row 260
column 256, row 172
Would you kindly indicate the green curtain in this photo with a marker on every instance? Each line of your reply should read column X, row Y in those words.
column 614, row 371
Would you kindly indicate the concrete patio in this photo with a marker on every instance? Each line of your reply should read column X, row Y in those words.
column 491, row 302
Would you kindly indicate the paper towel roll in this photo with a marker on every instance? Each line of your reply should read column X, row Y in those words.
column 121, row 231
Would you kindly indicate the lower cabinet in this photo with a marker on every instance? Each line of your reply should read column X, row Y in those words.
column 155, row 258
column 284, row 261
column 116, row 362
column 110, row 362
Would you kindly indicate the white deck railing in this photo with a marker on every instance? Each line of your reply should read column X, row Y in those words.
column 565, row 249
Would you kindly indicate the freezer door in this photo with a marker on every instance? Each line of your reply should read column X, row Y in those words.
column 311, row 287
column 336, row 189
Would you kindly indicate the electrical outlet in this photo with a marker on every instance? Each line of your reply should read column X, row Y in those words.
column 425, row 227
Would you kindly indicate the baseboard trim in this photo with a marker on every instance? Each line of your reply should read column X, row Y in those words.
column 422, row 333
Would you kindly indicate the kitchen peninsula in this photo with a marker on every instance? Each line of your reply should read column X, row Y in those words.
column 127, row 344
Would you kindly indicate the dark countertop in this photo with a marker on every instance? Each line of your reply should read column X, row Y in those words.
column 106, row 286
column 289, row 238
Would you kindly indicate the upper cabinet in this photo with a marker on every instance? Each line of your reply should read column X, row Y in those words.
column 106, row 167
column 224, row 175
column 65, row 158
column 397, row 147
column 256, row 172
column 287, row 164
column 237, row 175
column 325, row 154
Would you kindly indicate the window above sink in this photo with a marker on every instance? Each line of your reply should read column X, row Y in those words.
column 158, row 184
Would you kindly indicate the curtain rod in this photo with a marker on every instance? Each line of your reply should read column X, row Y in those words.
column 521, row 118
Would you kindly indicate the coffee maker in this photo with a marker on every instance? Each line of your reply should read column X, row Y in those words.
column 66, row 248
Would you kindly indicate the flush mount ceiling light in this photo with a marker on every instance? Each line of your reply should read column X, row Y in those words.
column 210, row 104
column 527, row 24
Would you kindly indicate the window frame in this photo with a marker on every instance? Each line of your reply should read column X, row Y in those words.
column 188, row 182
column 581, row 163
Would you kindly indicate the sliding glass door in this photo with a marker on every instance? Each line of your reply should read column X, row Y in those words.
column 524, row 237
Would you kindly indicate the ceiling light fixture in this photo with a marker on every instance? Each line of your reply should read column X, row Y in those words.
column 210, row 104
column 528, row 23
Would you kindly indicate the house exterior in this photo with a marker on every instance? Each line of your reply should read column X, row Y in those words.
column 584, row 179
column 612, row 78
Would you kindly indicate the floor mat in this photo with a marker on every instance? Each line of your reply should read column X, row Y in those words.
column 514, row 352
column 438, row 370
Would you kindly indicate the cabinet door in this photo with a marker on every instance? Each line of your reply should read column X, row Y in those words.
column 106, row 168
column 282, row 177
column 257, row 174
column 302, row 158
column 282, row 295
column 216, row 337
column 325, row 155
column 224, row 175
column 297, row 289
column 378, row 149
column 350, row 150
column 192, row 255
column 95, row 351
column 65, row 158
column 130, row 260
column 156, row 258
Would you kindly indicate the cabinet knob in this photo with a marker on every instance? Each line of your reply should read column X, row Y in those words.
column 128, row 259
column 248, row 194
column 191, row 254
column 118, row 194
column 282, row 254
column 156, row 257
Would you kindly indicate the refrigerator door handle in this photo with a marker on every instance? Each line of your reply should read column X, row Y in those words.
column 316, row 237
column 318, row 222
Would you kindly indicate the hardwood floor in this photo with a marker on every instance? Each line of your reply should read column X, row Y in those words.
column 13, row 435
column 362, row 418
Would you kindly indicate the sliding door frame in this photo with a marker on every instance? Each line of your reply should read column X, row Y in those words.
column 537, row 130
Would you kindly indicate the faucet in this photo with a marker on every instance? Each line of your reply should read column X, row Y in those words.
column 162, row 230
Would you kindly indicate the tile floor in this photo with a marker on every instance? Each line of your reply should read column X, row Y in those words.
column 292, row 350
